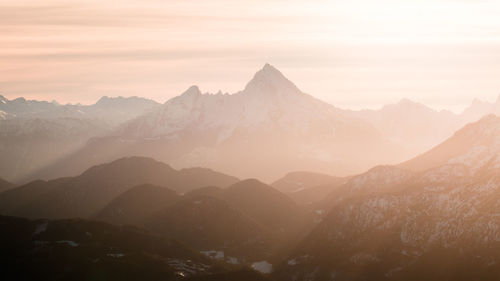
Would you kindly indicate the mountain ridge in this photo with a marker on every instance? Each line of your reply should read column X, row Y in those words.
column 270, row 120
column 84, row 195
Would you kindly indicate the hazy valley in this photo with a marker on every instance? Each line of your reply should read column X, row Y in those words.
column 268, row 183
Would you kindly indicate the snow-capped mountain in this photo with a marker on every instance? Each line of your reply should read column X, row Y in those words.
column 479, row 109
column 34, row 134
column 117, row 110
column 29, row 144
column 268, row 98
column 413, row 125
column 270, row 122
column 417, row 127
column 396, row 222
column 112, row 111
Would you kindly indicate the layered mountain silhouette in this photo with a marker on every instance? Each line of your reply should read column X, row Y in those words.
column 213, row 225
column 270, row 121
column 28, row 145
column 137, row 204
column 35, row 134
column 437, row 221
column 107, row 109
column 212, row 212
column 382, row 217
column 247, row 220
column 88, row 193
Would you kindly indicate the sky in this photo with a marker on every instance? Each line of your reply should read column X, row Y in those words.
column 351, row 53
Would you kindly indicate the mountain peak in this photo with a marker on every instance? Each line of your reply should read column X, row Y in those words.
column 20, row 99
column 269, row 73
column 269, row 80
column 268, row 67
column 103, row 99
column 192, row 91
column 407, row 101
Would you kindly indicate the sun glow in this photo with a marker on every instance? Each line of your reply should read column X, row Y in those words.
column 353, row 54
column 392, row 21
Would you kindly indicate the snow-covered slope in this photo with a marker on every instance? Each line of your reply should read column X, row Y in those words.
column 263, row 131
column 27, row 145
column 268, row 98
column 111, row 111
column 389, row 223
column 35, row 134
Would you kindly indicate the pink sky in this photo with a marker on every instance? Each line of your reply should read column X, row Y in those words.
column 353, row 54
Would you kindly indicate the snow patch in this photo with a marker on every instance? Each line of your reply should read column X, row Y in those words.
column 118, row 255
column 218, row 255
column 40, row 228
column 186, row 267
column 319, row 212
column 68, row 242
column 262, row 267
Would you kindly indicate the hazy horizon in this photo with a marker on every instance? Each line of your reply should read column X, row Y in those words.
column 352, row 54
column 458, row 109
column 246, row 155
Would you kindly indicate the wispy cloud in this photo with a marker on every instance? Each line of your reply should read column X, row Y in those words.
column 346, row 52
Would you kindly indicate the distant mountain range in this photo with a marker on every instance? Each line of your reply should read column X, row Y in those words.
column 110, row 111
column 434, row 217
column 270, row 121
column 207, row 210
column 35, row 134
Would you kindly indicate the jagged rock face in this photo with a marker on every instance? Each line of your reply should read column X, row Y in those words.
column 271, row 121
